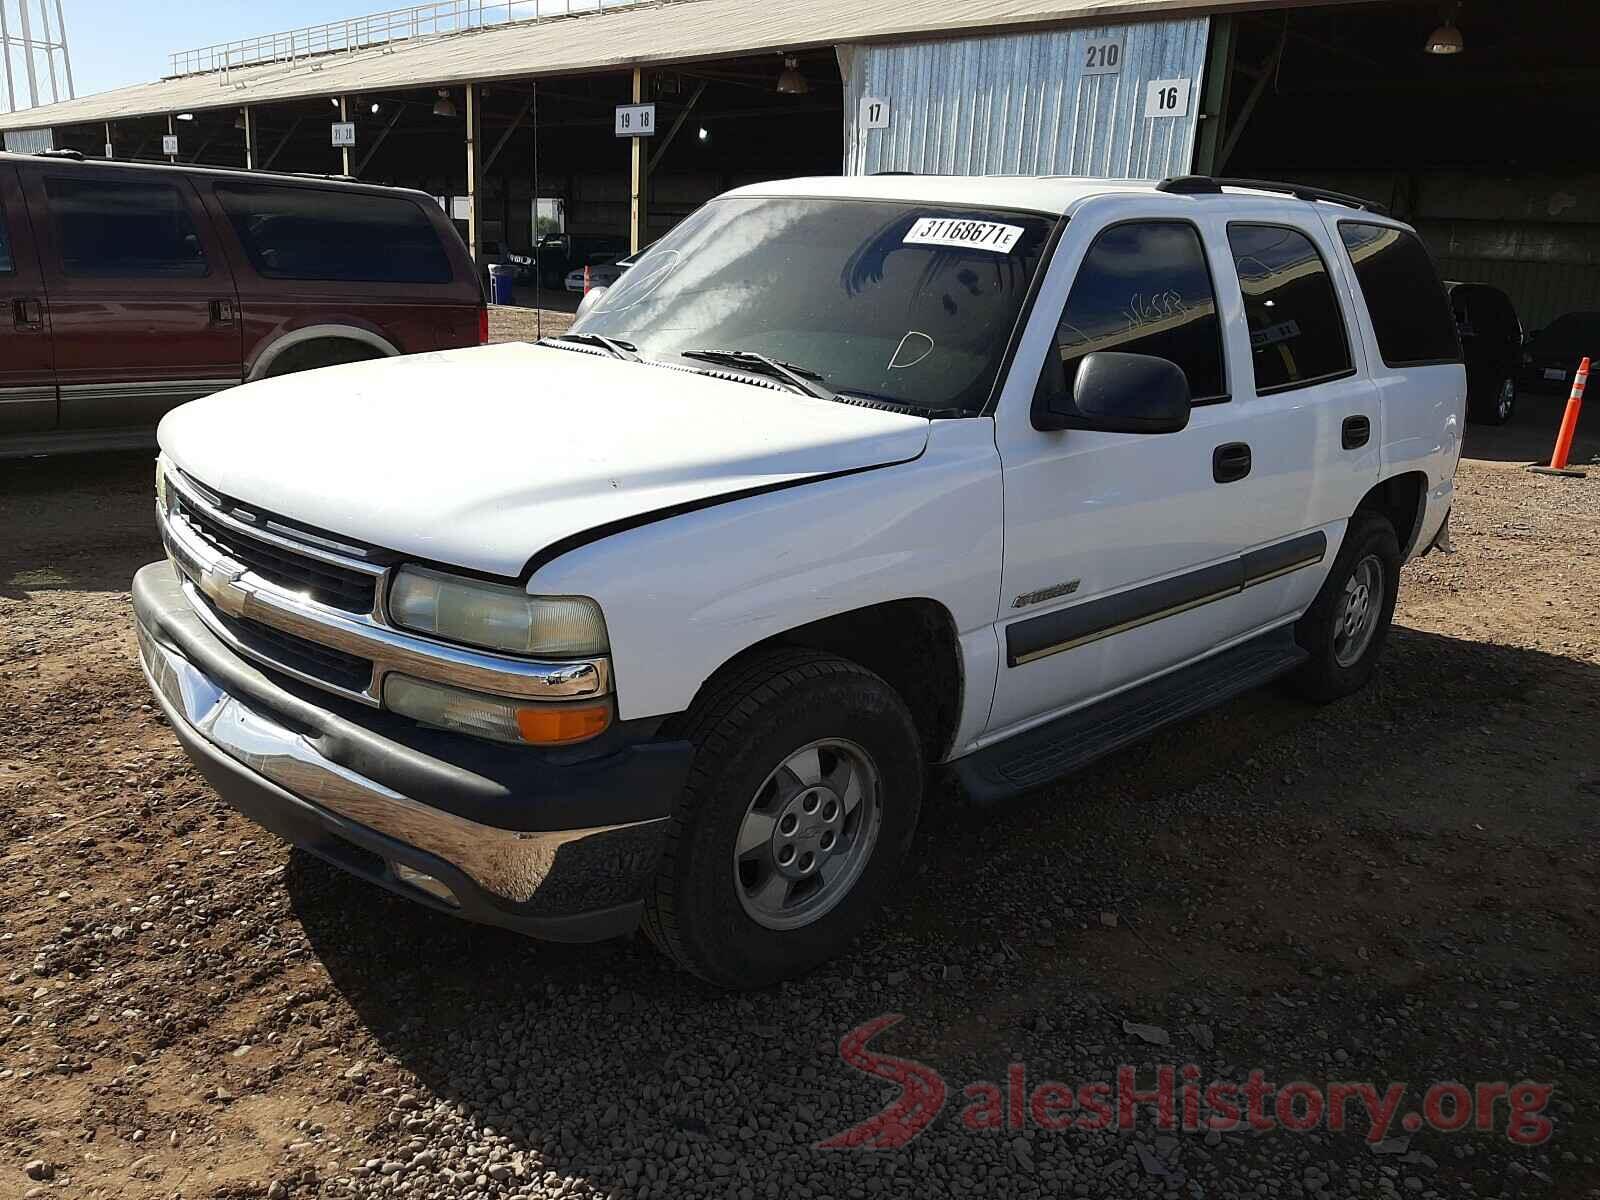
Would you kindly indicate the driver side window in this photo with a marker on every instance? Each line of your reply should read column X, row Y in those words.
column 1144, row 288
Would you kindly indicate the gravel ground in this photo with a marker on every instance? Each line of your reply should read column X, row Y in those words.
column 1403, row 886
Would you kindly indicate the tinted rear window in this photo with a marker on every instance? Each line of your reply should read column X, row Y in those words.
column 6, row 263
column 1410, row 312
column 307, row 233
column 1296, row 330
column 115, row 229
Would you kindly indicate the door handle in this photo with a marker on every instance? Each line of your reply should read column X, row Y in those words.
column 27, row 313
column 222, row 312
column 1355, row 432
column 1230, row 462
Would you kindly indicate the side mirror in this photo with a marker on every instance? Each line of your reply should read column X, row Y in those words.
column 1115, row 393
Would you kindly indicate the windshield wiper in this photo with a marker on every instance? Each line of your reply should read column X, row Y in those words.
column 802, row 378
column 626, row 351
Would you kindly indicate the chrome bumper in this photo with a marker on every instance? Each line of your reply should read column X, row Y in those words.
column 510, row 865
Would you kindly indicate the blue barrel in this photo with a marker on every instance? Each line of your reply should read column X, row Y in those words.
column 500, row 280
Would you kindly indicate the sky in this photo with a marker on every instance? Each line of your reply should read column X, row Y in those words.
column 117, row 42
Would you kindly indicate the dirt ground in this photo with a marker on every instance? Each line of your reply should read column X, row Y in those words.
column 1401, row 887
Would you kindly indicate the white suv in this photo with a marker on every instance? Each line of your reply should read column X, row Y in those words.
column 668, row 619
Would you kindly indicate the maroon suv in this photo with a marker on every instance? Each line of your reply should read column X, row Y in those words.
column 131, row 288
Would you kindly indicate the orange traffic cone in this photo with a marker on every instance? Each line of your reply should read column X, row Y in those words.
column 1569, row 426
column 586, row 286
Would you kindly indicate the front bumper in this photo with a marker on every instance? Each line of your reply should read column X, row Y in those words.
column 558, row 847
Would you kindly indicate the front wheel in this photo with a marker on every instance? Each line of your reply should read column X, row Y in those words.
column 1347, row 624
column 799, row 809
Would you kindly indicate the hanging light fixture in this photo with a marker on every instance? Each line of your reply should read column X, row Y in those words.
column 1447, row 38
column 790, row 81
column 444, row 106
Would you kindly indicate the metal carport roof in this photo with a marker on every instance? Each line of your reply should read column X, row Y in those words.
column 678, row 31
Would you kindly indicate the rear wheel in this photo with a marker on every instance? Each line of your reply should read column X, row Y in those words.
column 800, row 806
column 1345, row 628
column 1497, row 405
column 328, row 352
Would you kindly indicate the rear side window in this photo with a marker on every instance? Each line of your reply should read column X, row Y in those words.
column 1144, row 288
column 116, row 229
column 307, row 233
column 1296, row 331
column 7, row 265
column 1410, row 312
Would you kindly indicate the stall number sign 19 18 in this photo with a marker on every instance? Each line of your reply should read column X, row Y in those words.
column 636, row 120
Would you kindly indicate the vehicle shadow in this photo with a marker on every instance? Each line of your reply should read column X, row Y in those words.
column 82, row 522
column 1531, row 433
column 588, row 1056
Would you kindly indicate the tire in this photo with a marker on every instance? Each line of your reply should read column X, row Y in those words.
column 1496, row 407
column 745, row 922
column 1341, row 661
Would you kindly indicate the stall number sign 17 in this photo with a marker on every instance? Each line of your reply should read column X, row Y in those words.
column 1167, row 98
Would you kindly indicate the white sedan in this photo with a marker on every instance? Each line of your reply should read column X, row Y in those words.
column 603, row 272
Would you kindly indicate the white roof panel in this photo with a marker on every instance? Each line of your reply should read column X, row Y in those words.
column 675, row 31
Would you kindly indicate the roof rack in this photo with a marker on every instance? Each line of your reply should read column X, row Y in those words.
column 74, row 155
column 1206, row 185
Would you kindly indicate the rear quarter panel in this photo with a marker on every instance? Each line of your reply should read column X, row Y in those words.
column 411, row 317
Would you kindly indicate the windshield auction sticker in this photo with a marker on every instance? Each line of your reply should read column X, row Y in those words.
column 964, row 234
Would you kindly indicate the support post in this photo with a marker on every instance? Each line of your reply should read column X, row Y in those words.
column 249, row 139
column 1218, row 92
column 49, row 50
column 27, row 54
column 474, row 135
column 172, row 130
column 639, row 209
column 1262, row 82
column 5, row 41
column 109, row 152
column 344, row 151
column 66, row 59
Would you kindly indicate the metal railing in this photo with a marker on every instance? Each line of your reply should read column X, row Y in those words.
column 376, row 29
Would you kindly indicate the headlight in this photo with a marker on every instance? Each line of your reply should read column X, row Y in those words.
column 538, row 723
column 161, row 482
column 494, row 616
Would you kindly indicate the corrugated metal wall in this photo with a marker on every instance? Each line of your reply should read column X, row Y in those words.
column 1023, row 104
column 29, row 141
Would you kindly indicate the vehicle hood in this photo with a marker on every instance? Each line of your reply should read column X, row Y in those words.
column 480, row 458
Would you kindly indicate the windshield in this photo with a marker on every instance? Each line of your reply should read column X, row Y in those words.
column 909, row 303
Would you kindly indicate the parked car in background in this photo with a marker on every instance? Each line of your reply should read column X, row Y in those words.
column 1553, row 353
column 848, row 480
column 1491, row 346
column 603, row 272
column 131, row 288
column 559, row 254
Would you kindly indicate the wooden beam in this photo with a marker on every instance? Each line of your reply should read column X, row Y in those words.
column 506, row 136
column 249, row 139
column 676, row 125
column 383, row 135
column 344, row 151
column 282, row 142
column 638, row 210
column 1250, row 101
column 474, row 136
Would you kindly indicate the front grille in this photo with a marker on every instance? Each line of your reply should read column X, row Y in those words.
column 330, row 666
column 324, row 582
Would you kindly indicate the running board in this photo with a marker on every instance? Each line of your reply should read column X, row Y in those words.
column 1048, row 752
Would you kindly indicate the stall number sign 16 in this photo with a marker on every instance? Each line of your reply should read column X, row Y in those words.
column 1167, row 98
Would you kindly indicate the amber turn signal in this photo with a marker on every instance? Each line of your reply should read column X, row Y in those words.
column 562, row 724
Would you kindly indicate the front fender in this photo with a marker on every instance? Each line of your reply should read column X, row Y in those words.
column 684, row 594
